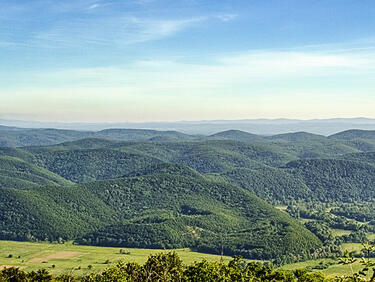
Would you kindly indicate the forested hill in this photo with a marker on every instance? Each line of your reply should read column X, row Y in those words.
column 174, row 207
column 21, row 137
column 157, row 189
column 354, row 134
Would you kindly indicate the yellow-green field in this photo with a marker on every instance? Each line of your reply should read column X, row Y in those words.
column 340, row 232
column 335, row 269
column 69, row 258
column 331, row 271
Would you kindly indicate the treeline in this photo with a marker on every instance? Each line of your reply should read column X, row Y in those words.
column 169, row 267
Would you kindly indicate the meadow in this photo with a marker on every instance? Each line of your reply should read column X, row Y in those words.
column 80, row 260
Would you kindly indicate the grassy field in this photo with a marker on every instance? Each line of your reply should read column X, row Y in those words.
column 79, row 260
column 352, row 247
column 340, row 232
column 333, row 270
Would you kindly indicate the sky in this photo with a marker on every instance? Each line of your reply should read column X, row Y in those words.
column 172, row 60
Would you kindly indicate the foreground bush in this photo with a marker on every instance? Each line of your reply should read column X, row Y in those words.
column 169, row 267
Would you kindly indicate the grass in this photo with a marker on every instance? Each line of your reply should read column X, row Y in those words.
column 74, row 259
column 371, row 236
column 335, row 269
column 331, row 271
column 281, row 208
column 339, row 232
column 352, row 247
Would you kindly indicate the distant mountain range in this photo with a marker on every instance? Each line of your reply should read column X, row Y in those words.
column 207, row 127
column 21, row 137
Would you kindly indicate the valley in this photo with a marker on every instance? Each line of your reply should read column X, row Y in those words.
column 296, row 199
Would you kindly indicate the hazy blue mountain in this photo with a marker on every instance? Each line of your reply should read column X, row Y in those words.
column 298, row 136
column 237, row 135
column 255, row 126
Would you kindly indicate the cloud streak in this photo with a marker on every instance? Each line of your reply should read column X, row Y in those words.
column 226, row 72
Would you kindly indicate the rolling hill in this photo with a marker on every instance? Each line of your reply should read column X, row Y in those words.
column 16, row 173
column 297, row 136
column 95, row 164
column 170, row 208
column 153, row 189
column 354, row 134
column 272, row 184
column 336, row 180
column 237, row 135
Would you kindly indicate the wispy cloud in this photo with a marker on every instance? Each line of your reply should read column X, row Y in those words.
column 226, row 17
column 108, row 31
column 88, row 23
column 225, row 72
column 94, row 6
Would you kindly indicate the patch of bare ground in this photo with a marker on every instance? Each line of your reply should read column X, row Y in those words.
column 59, row 255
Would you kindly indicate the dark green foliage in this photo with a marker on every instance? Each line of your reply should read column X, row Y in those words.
column 213, row 156
column 13, row 274
column 16, row 173
column 320, row 229
column 315, row 149
column 89, row 165
column 363, row 212
column 176, row 207
column 271, row 184
column 335, row 180
column 368, row 157
column 221, row 216
column 50, row 212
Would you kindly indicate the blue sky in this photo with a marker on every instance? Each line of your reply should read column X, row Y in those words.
column 155, row 60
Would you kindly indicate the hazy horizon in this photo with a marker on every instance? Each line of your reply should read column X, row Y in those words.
column 208, row 127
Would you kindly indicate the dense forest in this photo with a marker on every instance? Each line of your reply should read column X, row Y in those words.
column 218, row 194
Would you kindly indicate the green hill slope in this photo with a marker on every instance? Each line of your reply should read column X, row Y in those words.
column 50, row 212
column 297, row 136
column 21, row 137
column 354, row 134
column 16, row 173
column 271, row 184
column 173, row 207
column 364, row 145
column 316, row 149
column 214, row 156
column 237, row 135
column 368, row 157
column 210, row 216
column 89, row 165
column 336, row 180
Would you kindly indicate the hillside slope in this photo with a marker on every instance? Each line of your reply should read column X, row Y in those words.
column 336, row 180
column 172, row 207
column 354, row 134
column 210, row 216
column 16, row 173
column 271, row 184
column 96, row 164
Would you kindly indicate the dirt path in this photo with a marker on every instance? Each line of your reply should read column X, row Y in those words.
column 59, row 255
